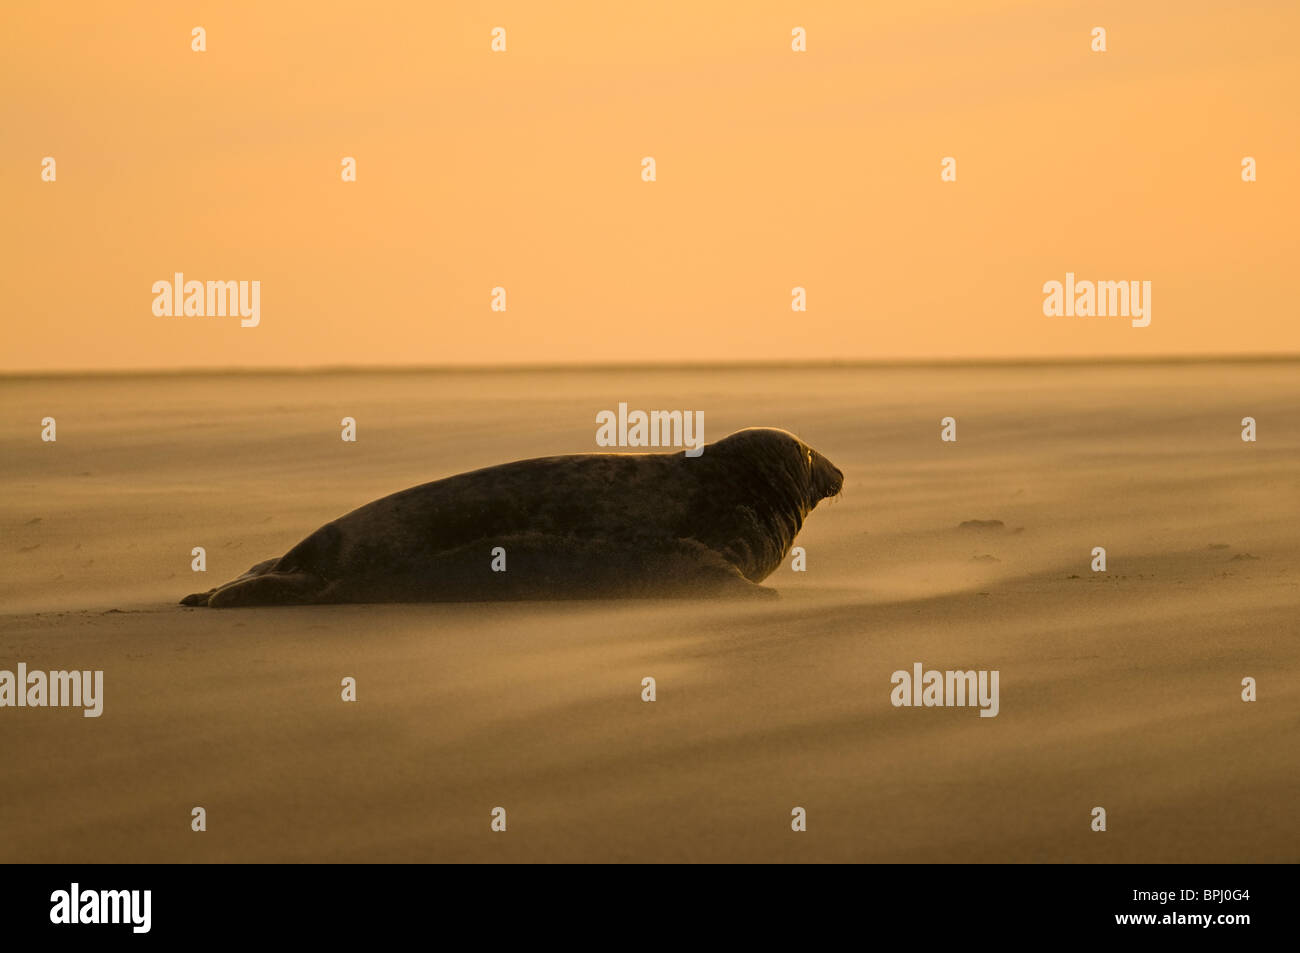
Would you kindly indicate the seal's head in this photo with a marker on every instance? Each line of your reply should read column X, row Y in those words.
column 761, row 484
column 792, row 470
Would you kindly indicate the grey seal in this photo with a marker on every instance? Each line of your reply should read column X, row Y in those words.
column 589, row 525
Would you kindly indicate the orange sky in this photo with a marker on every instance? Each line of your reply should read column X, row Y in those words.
column 775, row 169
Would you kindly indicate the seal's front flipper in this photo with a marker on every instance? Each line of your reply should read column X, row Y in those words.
column 738, row 587
column 268, row 589
column 710, row 576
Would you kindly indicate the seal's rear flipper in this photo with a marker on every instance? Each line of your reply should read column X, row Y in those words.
column 268, row 589
column 201, row 598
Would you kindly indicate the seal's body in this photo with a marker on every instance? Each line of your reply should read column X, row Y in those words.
column 578, row 526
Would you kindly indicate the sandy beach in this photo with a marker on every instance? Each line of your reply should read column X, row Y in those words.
column 1119, row 689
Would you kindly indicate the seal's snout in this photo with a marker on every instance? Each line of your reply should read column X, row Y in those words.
column 828, row 479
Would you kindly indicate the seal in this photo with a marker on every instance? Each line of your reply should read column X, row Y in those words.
column 592, row 525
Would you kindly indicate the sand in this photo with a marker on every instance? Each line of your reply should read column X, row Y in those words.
column 1119, row 689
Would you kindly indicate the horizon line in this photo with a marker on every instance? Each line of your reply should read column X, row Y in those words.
column 709, row 365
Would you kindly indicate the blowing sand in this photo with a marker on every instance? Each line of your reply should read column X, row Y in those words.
column 1119, row 689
